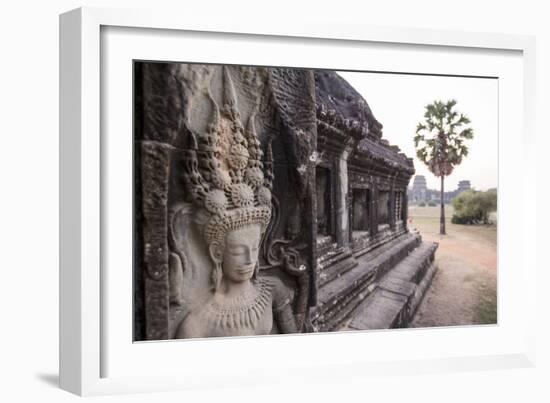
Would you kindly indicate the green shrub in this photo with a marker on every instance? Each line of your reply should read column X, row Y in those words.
column 421, row 204
column 473, row 207
column 432, row 204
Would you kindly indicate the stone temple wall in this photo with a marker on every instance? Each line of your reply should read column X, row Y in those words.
column 313, row 159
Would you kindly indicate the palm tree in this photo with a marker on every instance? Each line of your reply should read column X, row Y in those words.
column 440, row 143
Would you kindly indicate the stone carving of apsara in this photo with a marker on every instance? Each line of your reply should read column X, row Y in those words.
column 224, row 173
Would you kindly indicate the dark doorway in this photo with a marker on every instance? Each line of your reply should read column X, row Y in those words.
column 383, row 207
column 323, row 191
column 360, row 209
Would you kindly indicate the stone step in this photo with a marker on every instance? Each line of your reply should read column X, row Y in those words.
column 332, row 256
column 394, row 300
column 376, row 260
column 411, row 239
column 413, row 267
column 339, row 297
column 324, row 243
column 336, row 267
column 365, row 244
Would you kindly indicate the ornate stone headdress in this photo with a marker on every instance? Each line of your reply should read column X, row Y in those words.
column 224, row 172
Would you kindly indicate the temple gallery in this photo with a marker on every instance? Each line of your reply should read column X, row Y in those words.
column 267, row 201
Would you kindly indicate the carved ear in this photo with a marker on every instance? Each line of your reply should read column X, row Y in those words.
column 216, row 251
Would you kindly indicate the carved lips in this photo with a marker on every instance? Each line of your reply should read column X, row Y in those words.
column 245, row 270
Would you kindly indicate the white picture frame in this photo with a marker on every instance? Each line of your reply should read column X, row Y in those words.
column 97, row 357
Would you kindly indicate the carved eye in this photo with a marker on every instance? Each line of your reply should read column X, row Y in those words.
column 236, row 250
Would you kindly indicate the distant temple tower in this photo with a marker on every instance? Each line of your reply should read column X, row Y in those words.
column 419, row 192
column 463, row 186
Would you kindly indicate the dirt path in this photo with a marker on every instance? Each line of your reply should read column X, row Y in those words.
column 463, row 291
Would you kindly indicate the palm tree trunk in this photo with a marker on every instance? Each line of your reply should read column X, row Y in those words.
column 442, row 215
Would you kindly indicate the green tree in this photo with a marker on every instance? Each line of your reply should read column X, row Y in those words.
column 440, row 143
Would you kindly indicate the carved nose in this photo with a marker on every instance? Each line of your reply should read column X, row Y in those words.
column 248, row 256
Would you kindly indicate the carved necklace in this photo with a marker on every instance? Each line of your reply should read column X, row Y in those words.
column 244, row 311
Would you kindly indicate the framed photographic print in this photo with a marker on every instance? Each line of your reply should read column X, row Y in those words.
column 241, row 203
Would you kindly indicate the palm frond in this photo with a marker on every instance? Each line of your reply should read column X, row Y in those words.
column 438, row 143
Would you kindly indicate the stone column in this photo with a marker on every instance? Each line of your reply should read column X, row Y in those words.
column 405, row 208
column 374, row 211
column 342, row 205
column 392, row 207
column 156, row 96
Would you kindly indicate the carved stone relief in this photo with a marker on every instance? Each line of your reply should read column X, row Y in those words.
column 215, row 243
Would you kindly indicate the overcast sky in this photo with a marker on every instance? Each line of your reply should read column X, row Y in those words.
column 398, row 102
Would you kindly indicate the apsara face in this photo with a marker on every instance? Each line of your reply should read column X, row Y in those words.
column 241, row 253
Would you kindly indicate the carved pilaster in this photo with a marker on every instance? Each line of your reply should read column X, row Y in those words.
column 154, row 184
column 392, row 194
column 374, row 211
column 405, row 208
column 342, row 203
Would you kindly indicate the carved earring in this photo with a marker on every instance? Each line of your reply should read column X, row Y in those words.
column 216, row 276
column 256, row 270
column 217, row 256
